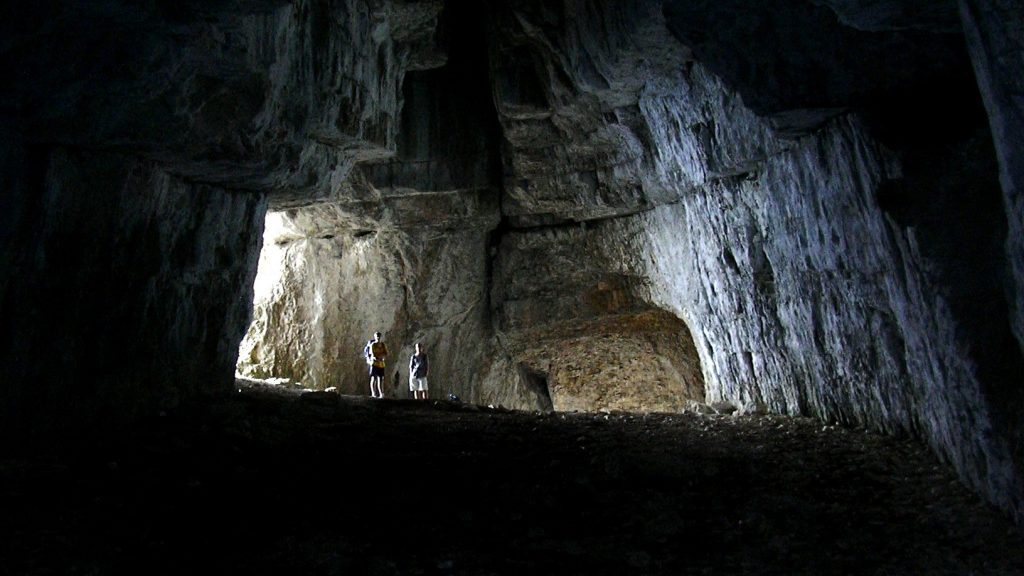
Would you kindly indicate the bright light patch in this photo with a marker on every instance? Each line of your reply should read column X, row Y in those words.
column 277, row 232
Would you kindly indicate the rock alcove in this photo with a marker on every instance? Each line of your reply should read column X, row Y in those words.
column 805, row 208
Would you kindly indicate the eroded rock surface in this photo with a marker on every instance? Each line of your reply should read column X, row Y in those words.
column 137, row 276
column 271, row 95
column 804, row 190
column 771, row 242
column 319, row 298
column 140, row 145
column 640, row 362
column 799, row 250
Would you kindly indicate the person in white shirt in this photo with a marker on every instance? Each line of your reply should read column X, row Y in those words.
column 418, row 368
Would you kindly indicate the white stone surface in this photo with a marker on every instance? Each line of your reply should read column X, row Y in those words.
column 321, row 293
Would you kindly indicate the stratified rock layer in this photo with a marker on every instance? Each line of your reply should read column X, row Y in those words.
column 810, row 269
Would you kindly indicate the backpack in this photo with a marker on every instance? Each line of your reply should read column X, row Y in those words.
column 368, row 352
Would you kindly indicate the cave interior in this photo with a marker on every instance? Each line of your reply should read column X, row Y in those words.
column 661, row 227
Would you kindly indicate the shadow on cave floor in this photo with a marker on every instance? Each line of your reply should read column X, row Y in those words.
column 262, row 483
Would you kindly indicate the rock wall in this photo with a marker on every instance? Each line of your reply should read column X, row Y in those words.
column 993, row 39
column 482, row 176
column 403, row 250
column 821, row 272
column 640, row 362
column 270, row 95
column 321, row 297
column 810, row 299
column 125, row 290
column 141, row 146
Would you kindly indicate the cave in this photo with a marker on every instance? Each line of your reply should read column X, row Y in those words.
column 707, row 286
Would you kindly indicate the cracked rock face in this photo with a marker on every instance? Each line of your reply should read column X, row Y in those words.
column 806, row 247
column 444, row 171
column 320, row 298
column 637, row 362
column 272, row 95
column 139, row 277
column 801, row 206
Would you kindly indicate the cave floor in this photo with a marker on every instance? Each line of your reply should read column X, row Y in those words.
column 271, row 483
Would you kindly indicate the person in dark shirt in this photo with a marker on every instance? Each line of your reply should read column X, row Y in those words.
column 418, row 368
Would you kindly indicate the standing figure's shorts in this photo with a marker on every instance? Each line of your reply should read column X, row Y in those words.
column 417, row 384
column 376, row 371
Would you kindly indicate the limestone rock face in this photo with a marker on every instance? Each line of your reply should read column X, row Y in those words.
column 320, row 297
column 403, row 251
column 580, row 143
column 813, row 273
column 996, row 47
column 136, row 275
column 141, row 145
column 846, row 329
column 810, row 268
column 569, row 203
column 637, row 362
column 273, row 95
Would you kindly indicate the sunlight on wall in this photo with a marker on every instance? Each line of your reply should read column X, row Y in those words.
column 276, row 234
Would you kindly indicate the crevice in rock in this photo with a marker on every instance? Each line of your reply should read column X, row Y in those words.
column 518, row 84
column 537, row 385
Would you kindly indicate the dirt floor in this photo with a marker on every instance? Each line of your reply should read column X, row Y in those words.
column 271, row 483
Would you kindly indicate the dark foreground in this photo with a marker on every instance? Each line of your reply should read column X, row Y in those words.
column 262, row 483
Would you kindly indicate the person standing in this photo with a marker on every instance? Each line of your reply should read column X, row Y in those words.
column 418, row 368
column 376, row 353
